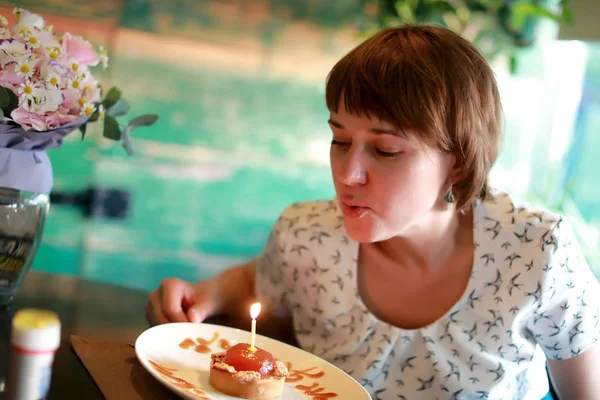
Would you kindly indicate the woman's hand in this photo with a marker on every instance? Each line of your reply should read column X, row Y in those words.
column 177, row 300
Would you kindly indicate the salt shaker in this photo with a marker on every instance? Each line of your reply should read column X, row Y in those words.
column 35, row 337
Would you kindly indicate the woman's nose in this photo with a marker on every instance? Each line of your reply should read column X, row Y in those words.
column 352, row 169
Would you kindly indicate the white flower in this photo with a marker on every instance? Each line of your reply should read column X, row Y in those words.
column 30, row 20
column 54, row 79
column 46, row 98
column 26, row 91
column 74, row 65
column 53, row 52
column 25, row 68
column 3, row 20
column 75, row 83
column 91, row 89
column 50, row 68
column 47, row 42
column 22, row 31
column 5, row 33
column 12, row 50
column 101, row 112
column 32, row 40
column 87, row 109
column 104, row 57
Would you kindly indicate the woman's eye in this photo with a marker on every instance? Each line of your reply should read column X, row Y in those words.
column 388, row 154
column 381, row 153
column 338, row 143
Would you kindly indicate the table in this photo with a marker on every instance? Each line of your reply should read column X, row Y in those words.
column 93, row 310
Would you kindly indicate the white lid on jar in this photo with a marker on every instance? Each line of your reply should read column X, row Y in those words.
column 35, row 330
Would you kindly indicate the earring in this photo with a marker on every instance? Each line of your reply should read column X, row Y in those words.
column 449, row 197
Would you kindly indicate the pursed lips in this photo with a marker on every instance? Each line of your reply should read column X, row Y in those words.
column 352, row 203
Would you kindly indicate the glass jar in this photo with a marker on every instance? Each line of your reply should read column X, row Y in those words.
column 22, row 218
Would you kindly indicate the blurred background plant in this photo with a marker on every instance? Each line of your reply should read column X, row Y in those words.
column 496, row 27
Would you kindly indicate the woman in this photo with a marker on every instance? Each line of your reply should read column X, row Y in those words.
column 419, row 280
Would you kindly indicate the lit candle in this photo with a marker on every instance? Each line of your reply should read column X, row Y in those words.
column 254, row 311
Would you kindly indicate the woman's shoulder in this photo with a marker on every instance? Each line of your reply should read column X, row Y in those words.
column 523, row 236
column 312, row 233
column 321, row 215
column 509, row 211
column 501, row 216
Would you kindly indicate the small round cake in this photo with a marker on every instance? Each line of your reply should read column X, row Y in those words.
column 248, row 374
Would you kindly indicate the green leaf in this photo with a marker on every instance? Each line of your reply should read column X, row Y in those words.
column 111, row 98
column 143, row 120
column 12, row 103
column 567, row 12
column 4, row 97
column 567, row 16
column 111, row 128
column 1, row 113
column 476, row 6
column 119, row 108
column 513, row 65
column 83, row 128
column 126, row 136
column 440, row 7
column 94, row 117
column 523, row 11
column 405, row 11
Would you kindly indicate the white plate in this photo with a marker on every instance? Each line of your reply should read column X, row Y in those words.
column 160, row 345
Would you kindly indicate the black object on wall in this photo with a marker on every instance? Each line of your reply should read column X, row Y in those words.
column 97, row 202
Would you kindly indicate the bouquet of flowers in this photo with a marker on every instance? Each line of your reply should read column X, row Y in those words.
column 47, row 90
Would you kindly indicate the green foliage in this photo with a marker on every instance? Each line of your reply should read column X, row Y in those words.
column 111, row 128
column 113, row 106
column 8, row 101
column 494, row 26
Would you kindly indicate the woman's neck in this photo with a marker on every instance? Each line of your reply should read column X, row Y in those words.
column 432, row 241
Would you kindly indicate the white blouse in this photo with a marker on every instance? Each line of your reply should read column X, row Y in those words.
column 531, row 296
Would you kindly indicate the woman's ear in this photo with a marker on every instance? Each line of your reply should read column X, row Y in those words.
column 457, row 171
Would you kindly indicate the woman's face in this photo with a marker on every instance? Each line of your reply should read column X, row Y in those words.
column 387, row 183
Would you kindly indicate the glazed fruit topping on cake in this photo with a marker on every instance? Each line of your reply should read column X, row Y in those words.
column 243, row 359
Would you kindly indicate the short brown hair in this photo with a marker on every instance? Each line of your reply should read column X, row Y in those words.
column 429, row 80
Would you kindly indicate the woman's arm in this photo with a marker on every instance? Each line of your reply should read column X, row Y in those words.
column 577, row 378
column 236, row 289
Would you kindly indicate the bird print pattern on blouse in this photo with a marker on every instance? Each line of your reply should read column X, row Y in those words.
column 530, row 288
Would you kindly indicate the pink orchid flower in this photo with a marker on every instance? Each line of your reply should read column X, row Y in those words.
column 28, row 121
column 79, row 50
column 11, row 78
column 57, row 119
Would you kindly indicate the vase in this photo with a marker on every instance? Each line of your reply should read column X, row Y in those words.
column 22, row 218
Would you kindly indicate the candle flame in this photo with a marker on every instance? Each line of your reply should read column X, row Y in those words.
column 255, row 310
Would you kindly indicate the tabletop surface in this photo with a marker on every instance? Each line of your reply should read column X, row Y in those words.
column 91, row 310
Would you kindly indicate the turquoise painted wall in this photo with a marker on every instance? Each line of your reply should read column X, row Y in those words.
column 236, row 141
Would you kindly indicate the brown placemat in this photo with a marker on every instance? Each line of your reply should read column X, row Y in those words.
column 117, row 372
